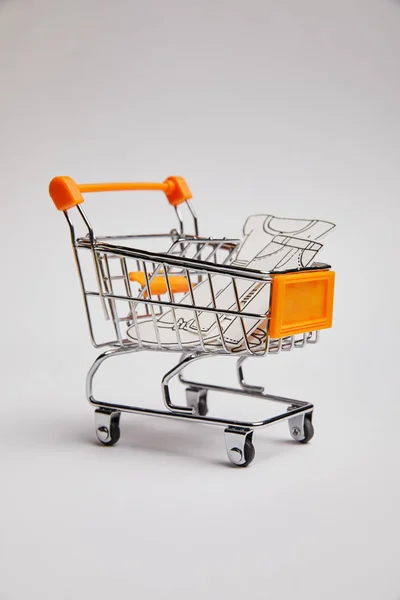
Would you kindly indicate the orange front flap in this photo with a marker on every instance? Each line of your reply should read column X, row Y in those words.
column 301, row 302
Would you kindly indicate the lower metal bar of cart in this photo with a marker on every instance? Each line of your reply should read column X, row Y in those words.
column 238, row 434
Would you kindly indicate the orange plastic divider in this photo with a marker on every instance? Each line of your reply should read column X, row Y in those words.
column 66, row 193
column 158, row 285
column 301, row 302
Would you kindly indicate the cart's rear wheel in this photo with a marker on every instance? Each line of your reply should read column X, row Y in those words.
column 197, row 399
column 109, row 437
column 107, row 427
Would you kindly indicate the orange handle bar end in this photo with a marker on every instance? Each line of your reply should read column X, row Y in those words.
column 177, row 191
column 65, row 193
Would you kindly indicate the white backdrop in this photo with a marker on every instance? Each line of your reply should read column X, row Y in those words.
column 289, row 108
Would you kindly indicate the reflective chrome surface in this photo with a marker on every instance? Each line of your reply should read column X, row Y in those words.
column 106, row 284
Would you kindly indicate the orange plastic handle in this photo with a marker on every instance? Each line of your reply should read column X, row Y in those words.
column 158, row 285
column 66, row 193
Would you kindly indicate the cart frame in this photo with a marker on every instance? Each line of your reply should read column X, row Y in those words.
column 143, row 305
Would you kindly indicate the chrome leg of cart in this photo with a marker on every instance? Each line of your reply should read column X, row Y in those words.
column 238, row 434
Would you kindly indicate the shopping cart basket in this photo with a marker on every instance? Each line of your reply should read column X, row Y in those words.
column 194, row 299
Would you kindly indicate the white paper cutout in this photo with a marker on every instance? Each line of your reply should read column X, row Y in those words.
column 269, row 244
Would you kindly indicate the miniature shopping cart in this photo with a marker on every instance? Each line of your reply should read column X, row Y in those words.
column 196, row 299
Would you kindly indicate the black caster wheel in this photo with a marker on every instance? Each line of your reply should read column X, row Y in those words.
column 239, row 447
column 301, row 428
column 249, row 453
column 202, row 407
column 308, row 431
column 109, row 437
column 197, row 399
column 107, row 427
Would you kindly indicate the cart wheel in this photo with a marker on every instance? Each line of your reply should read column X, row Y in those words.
column 301, row 428
column 249, row 453
column 197, row 399
column 239, row 446
column 107, row 427
column 308, row 430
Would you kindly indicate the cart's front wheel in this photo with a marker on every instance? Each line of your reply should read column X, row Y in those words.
column 249, row 453
column 301, row 428
column 107, row 426
column 308, row 430
column 239, row 446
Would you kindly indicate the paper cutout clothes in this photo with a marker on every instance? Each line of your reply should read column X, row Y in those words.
column 269, row 244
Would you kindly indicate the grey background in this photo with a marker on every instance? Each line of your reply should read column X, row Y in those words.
column 283, row 107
